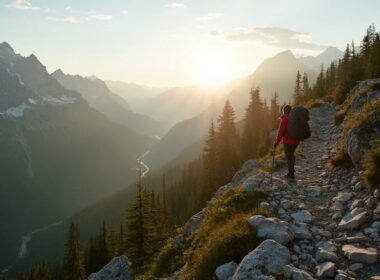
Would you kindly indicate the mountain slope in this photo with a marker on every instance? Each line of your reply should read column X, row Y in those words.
column 56, row 153
column 323, row 59
column 274, row 74
column 98, row 95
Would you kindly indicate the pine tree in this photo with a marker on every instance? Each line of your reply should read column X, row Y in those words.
column 73, row 264
column 209, row 179
column 274, row 111
column 227, row 145
column 297, row 95
column 136, row 234
column 255, row 138
column 305, row 91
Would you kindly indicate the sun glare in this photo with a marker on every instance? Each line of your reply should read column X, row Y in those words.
column 213, row 68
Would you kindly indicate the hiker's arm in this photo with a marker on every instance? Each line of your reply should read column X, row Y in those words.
column 281, row 132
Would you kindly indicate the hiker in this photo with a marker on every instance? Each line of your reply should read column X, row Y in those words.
column 290, row 144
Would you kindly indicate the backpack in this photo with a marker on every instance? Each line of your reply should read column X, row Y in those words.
column 298, row 124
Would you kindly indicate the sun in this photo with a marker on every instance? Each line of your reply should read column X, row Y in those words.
column 213, row 68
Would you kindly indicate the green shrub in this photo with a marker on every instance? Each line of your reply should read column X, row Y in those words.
column 230, row 241
column 231, row 202
column 371, row 166
column 169, row 260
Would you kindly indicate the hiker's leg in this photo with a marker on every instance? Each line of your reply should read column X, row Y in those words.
column 290, row 158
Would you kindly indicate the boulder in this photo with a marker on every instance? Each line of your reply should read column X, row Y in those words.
column 272, row 228
column 326, row 269
column 194, row 222
column 302, row 216
column 225, row 271
column 354, row 146
column 252, row 182
column 324, row 255
column 117, row 269
column 301, row 231
column 361, row 255
column 353, row 219
column 248, row 166
column 267, row 259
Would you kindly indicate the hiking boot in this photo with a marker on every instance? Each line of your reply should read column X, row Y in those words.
column 289, row 176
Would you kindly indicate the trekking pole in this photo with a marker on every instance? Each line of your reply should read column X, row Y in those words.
column 271, row 170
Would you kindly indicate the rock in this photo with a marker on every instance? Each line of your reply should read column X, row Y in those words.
column 117, row 269
column 226, row 271
column 353, row 220
column 371, row 202
column 264, row 205
column 178, row 240
column 356, row 203
column 268, row 258
column 252, row 182
column 354, row 147
column 324, row 255
column 302, row 216
column 285, row 204
column 194, row 222
column 301, row 231
column 328, row 246
column 327, row 269
column 355, row 266
column 342, row 197
column 376, row 225
column 362, row 255
column 272, row 228
column 291, row 272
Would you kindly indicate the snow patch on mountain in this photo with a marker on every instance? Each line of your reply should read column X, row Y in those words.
column 16, row 112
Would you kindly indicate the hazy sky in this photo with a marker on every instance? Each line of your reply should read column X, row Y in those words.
column 168, row 43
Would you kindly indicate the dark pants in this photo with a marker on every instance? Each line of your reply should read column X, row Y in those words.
column 289, row 150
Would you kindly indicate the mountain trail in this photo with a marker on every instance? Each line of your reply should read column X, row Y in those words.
column 332, row 204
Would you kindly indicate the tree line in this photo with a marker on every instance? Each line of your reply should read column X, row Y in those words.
column 341, row 76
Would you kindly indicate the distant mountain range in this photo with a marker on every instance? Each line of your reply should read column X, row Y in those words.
column 323, row 59
column 57, row 154
column 100, row 97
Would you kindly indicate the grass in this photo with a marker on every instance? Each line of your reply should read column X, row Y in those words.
column 341, row 159
column 223, row 236
column 371, row 166
column 231, row 240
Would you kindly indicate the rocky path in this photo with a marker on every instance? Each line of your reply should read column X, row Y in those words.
column 334, row 224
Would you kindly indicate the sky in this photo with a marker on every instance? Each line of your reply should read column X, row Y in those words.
column 176, row 43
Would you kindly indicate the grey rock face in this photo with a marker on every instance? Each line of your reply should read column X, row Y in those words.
column 267, row 259
column 117, row 269
column 194, row 222
column 272, row 228
column 225, row 271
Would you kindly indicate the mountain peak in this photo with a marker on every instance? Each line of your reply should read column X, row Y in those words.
column 58, row 73
column 6, row 50
column 285, row 54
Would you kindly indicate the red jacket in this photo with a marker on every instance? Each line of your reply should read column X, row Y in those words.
column 282, row 133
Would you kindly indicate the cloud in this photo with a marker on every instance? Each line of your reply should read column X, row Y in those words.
column 277, row 37
column 70, row 19
column 22, row 5
column 68, row 8
column 210, row 16
column 176, row 5
column 125, row 12
column 100, row 17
